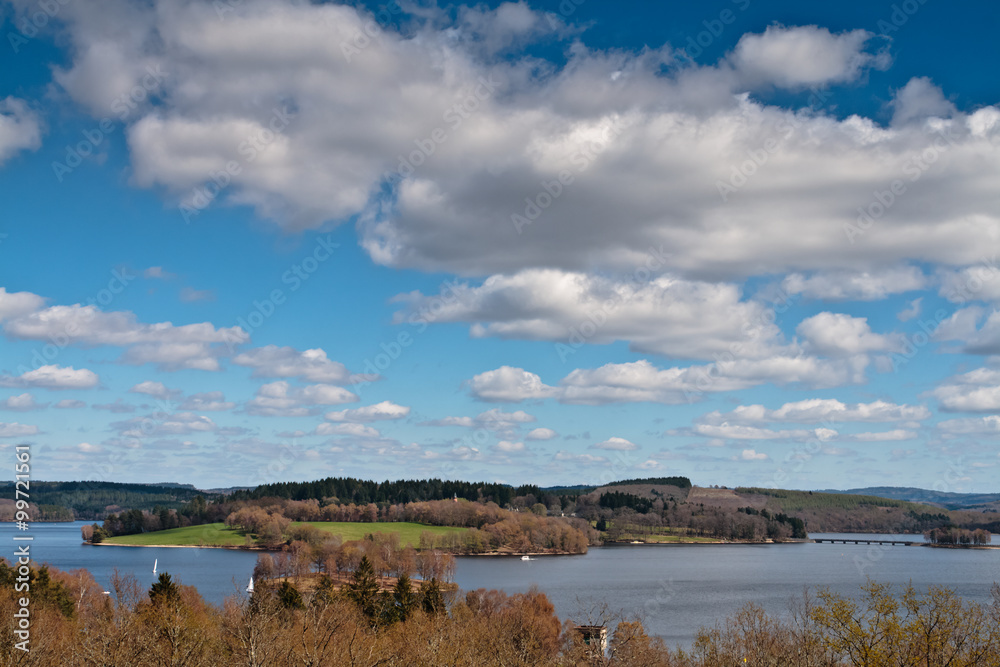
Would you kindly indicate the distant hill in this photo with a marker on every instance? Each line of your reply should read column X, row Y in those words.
column 576, row 490
column 225, row 491
column 682, row 482
column 939, row 498
column 95, row 500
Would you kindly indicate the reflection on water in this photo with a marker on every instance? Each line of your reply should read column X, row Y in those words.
column 677, row 588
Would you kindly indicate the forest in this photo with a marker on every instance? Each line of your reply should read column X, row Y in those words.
column 361, row 622
column 345, row 490
column 958, row 536
column 66, row 501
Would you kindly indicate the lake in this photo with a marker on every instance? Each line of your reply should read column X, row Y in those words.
column 678, row 588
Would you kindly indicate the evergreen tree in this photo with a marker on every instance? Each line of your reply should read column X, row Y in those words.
column 164, row 591
column 44, row 587
column 431, row 598
column 405, row 600
column 289, row 596
column 363, row 588
column 325, row 591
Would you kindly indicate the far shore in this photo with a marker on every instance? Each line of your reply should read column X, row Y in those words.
column 533, row 554
column 233, row 547
column 961, row 546
column 182, row 546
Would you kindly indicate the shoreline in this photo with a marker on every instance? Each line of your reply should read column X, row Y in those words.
column 231, row 547
column 535, row 554
column 497, row 554
column 961, row 546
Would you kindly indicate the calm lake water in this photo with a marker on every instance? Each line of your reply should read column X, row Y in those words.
column 677, row 588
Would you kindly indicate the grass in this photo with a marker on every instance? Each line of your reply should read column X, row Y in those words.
column 209, row 534
column 664, row 535
column 674, row 539
column 409, row 533
column 216, row 534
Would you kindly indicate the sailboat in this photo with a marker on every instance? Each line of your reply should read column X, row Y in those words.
column 154, row 566
column 250, row 586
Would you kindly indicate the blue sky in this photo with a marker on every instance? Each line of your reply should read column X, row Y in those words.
column 752, row 243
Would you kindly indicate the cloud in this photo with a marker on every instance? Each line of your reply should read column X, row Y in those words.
column 20, row 128
column 191, row 346
column 507, row 447
column 960, row 325
column 21, row 403
column 837, row 335
column 281, row 399
column 505, row 424
column 975, row 391
column 370, row 413
column 467, row 422
column 16, row 304
column 987, row 339
column 541, row 434
column 816, row 410
column 52, row 377
column 665, row 315
column 492, row 31
column 988, row 425
column 884, row 436
column 855, row 285
column 911, row 311
column 640, row 381
column 287, row 362
column 118, row 407
column 972, row 283
column 88, row 448
column 154, row 389
column 15, row 430
column 209, row 401
column 804, row 56
column 918, row 100
column 189, row 295
column 582, row 459
column 509, row 384
column 162, row 423
column 656, row 136
column 753, row 455
column 617, row 444
column 69, row 404
column 157, row 272
column 742, row 432
column 460, row 453
column 347, row 428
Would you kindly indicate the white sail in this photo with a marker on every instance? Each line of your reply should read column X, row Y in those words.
column 154, row 566
column 250, row 586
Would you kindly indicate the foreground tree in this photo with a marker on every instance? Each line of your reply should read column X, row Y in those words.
column 364, row 588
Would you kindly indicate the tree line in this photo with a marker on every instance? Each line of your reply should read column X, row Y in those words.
column 344, row 490
column 959, row 536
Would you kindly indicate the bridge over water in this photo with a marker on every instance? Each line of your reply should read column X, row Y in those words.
column 863, row 540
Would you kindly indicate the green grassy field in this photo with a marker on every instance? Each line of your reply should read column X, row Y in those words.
column 671, row 539
column 216, row 534
column 409, row 533
column 210, row 534
column 663, row 536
